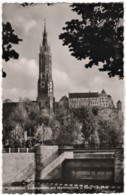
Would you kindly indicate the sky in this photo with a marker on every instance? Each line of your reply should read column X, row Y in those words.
column 69, row 74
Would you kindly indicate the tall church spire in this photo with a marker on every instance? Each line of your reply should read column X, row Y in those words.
column 45, row 83
column 45, row 44
column 45, row 26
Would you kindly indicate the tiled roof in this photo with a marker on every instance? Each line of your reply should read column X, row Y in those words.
column 83, row 95
column 103, row 91
column 64, row 98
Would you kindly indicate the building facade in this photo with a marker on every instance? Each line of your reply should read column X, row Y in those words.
column 45, row 96
column 91, row 99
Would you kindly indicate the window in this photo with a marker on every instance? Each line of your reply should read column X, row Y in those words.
column 42, row 75
column 42, row 84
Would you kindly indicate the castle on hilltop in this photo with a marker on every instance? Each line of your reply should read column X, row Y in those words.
column 90, row 99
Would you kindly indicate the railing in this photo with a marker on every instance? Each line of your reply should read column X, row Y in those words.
column 18, row 150
column 61, row 149
column 82, row 147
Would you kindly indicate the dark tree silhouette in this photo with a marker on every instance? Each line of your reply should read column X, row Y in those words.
column 98, row 36
column 32, row 4
column 27, row 4
column 9, row 38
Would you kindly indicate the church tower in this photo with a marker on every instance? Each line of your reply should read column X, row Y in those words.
column 45, row 82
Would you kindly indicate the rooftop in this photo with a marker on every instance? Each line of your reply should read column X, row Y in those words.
column 64, row 98
column 83, row 95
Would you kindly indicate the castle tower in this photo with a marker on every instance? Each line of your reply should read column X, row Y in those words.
column 45, row 82
column 119, row 105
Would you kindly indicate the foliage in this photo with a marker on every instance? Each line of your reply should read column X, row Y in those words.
column 31, row 108
column 43, row 132
column 86, row 126
column 7, row 100
column 20, row 120
column 70, row 133
column 32, row 4
column 55, row 127
column 95, row 111
column 27, row 4
column 111, row 133
column 27, row 117
column 69, row 129
column 9, row 38
column 43, row 117
column 88, row 121
column 97, row 36
column 15, row 127
column 19, row 115
column 8, row 126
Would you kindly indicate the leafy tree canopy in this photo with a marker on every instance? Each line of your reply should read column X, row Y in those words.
column 111, row 132
column 97, row 36
column 9, row 38
column 32, row 4
column 88, row 121
column 70, row 133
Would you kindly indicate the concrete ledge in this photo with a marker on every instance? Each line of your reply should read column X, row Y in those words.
column 56, row 163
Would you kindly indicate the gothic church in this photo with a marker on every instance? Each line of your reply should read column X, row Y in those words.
column 45, row 96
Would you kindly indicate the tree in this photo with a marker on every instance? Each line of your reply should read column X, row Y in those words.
column 23, row 118
column 27, row 4
column 32, row 4
column 7, row 100
column 19, row 117
column 111, row 133
column 54, row 124
column 8, row 127
column 43, row 132
column 70, row 133
column 89, row 125
column 69, row 129
column 9, row 38
column 97, row 36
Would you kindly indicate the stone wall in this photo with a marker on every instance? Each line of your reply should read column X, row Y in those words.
column 44, row 155
column 47, row 163
column 18, row 167
column 119, row 166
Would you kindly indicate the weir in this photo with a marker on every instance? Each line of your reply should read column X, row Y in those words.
column 51, row 163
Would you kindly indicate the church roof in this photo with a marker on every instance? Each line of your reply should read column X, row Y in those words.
column 64, row 98
column 83, row 95
column 45, row 44
column 103, row 91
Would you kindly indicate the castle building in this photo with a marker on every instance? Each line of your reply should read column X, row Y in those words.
column 91, row 99
column 45, row 96
column 119, row 105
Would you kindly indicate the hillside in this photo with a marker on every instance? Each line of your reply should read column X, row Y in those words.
column 94, row 127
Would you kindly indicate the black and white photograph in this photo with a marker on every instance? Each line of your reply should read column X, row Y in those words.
column 62, row 97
